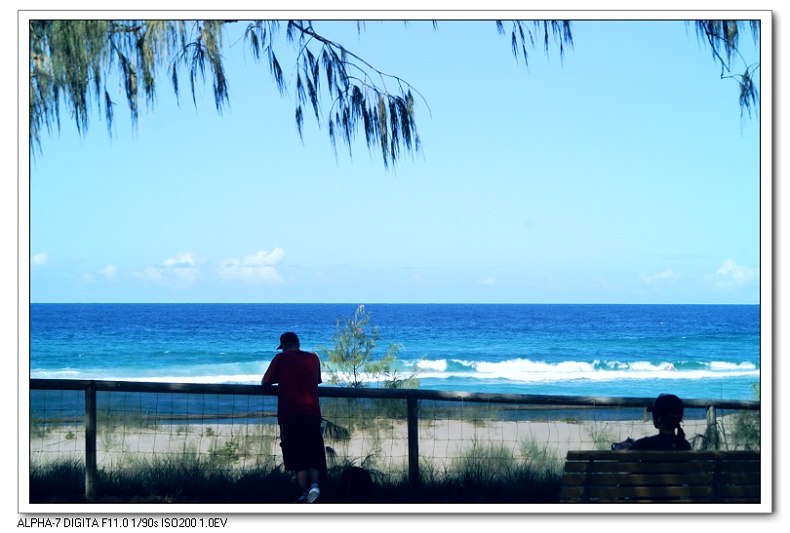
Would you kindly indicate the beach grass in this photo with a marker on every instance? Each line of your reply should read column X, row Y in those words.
column 467, row 454
column 486, row 475
column 214, row 465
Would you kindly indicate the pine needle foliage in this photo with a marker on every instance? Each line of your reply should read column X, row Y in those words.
column 352, row 363
column 521, row 36
column 73, row 63
column 721, row 37
column 74, row 60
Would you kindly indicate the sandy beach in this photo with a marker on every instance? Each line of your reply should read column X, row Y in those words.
column 382, row 446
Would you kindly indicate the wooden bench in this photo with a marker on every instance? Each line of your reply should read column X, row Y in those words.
column 661, row 477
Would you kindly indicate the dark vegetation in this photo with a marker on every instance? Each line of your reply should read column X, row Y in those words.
column 476, row 478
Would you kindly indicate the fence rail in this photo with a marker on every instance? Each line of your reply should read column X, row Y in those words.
column 412, row 397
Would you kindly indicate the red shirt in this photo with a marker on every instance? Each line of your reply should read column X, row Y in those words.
column 298, row 374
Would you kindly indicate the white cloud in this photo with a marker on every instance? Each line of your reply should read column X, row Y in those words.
column 254, row 269
column 652, row 279
column 109, row 272
column 180, row 272
column 731, row 273
column 40, row 259
column 182, row 260
column 152, row 274
column 490, row 281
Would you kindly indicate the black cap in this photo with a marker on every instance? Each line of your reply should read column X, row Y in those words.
column 288, row 338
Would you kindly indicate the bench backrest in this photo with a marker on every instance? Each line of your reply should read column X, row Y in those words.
column 661, row 477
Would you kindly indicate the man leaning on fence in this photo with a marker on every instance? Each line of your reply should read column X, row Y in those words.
column 297, row 374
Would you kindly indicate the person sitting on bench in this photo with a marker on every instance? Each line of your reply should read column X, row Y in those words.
column 667, row 416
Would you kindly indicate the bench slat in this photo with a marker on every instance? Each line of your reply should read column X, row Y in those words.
column 661, row 477
column 639, row 479
column 739, row 491
column 636, row 467
column 678, row 492
column 696, row 455
column 738, row 467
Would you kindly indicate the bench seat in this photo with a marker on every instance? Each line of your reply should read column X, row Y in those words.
column 624, row 476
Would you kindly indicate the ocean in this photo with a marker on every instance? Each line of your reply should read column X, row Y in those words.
column 694, row 351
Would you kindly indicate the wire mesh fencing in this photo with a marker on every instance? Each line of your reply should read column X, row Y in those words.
column 397, row 433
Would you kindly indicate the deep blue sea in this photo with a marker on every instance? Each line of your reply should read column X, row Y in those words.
column 695, row 351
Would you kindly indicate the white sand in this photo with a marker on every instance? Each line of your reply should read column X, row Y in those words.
column 384, row 449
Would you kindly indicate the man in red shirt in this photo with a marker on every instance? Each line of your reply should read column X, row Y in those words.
column 298, row 374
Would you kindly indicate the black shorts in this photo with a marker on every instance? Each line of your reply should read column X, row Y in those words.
column 302, row 443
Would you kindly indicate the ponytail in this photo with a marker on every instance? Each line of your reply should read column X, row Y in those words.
column 681, row 436
column 674, row 420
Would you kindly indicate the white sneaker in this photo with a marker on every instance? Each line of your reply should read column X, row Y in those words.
column 313, row 494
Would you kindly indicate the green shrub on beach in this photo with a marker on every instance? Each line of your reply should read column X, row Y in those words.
column 352, row 363
column 41, row 427
column 229, row 452
column 745, row 432
column 540, row 459
column 481, row 462
column 602, row 439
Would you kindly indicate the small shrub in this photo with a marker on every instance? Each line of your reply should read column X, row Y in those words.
column 229, row 452
column 745, row 433
column 540, row 459
column 39, row 427
column 602, row 439
column 351, row 362
column 482, row 462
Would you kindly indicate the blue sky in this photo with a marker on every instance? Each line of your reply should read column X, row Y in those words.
column 623, row 174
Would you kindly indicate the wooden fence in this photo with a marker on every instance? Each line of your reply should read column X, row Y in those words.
column 411, row 396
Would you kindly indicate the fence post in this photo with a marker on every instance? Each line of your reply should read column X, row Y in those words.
column 712, row 429
column 90, row 440
column 413, row 435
